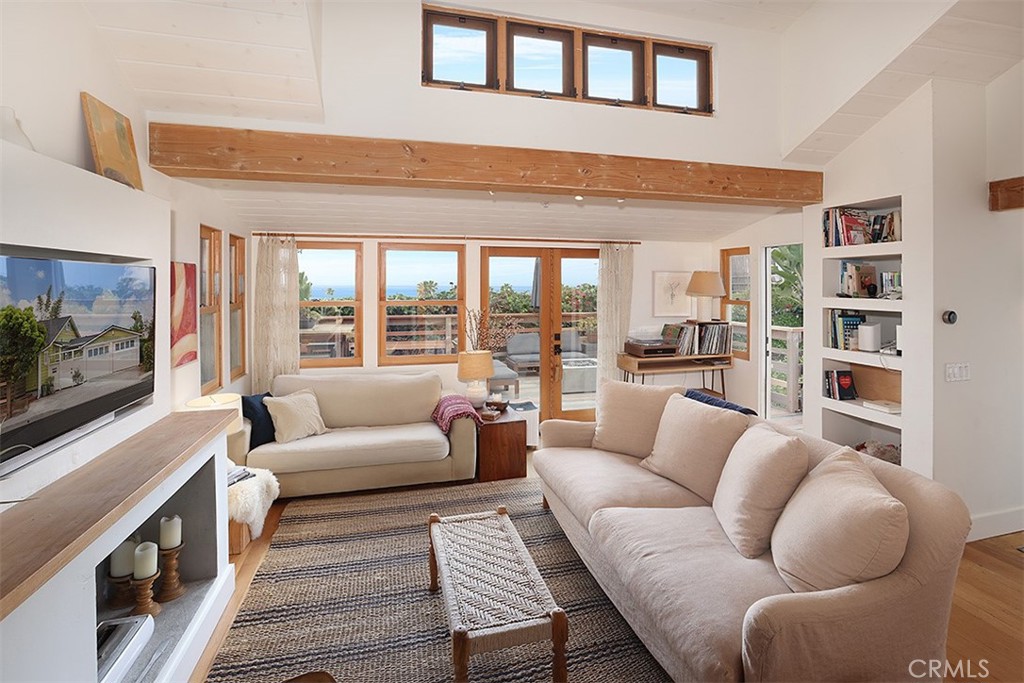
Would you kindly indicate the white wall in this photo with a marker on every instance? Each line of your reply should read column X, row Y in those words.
column 835, row 48
column 50, row 53
column 1004, row 114
column 742, row 381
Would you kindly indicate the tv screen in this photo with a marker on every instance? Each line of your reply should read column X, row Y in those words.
column 76, row 344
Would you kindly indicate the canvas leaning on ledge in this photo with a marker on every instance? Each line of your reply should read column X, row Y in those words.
column 112, row 142
column 670, row 299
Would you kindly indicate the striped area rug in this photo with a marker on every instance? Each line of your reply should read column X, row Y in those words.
column 344, row 589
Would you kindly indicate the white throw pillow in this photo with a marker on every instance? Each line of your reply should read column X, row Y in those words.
column 693, row 442
column 628, row 415
column 763, row 470
column 840, row 527
column 295, row 416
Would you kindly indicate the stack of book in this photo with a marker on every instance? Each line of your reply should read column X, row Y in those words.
column 237, row 473
column 839, row 385
column 715, row 339
column 842, row 329
column 844, row 226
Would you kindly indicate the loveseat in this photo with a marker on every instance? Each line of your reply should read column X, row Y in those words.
column 706, row 612
column 379, row 434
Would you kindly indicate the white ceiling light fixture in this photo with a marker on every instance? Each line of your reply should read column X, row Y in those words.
column 620, row 200
column 578, row 198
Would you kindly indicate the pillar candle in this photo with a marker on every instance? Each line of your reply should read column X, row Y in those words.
column 122, row 562
column 145, row 560
column 170, row 532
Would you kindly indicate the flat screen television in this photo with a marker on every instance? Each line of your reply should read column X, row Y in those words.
column 76, row 345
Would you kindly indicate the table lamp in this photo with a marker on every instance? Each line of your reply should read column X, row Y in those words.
column 220, row 402
column 475, row 367
column 705, row 285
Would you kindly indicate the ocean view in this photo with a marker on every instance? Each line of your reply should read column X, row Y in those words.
column 347, row 291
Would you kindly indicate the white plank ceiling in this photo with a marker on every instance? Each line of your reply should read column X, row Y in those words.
column 762, row 15
column 975, row 41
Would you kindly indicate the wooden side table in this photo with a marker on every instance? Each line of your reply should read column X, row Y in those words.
column 501, row 448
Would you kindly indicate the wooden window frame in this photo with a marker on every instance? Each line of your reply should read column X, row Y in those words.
column 356, row 304
column 614, row 42
column 700, row 55
column 238, row 284
column 382, row 303
column 727, row 300
column 564, row 36
column 211, row 304
column 436, row 17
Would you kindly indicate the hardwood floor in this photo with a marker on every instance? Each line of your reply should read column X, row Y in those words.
column 986, row 628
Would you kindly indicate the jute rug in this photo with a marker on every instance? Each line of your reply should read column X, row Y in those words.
column 344, row 589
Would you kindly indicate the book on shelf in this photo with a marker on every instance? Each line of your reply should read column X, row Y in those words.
column 855, row 276
column 236, row 473
column 839, row 385
column 882, row 405
column 842, row 226
column 842, row 329
column 714, row 339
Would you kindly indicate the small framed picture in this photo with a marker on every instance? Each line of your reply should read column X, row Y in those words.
column 670, row 299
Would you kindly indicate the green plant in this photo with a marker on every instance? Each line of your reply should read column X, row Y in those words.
column 77, row 377
column 21, row 340
column 46, row 388
column 787, row 272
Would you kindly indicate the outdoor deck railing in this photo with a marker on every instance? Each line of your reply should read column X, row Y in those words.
column 786, row 368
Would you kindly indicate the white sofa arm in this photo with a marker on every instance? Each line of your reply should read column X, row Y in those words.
column 462, row 440
column 238, row 443
column 567, row 434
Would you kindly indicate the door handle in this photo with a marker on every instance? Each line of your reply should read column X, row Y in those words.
column 557, row 350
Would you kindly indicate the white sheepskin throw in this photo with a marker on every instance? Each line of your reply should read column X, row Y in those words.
column 249, row 501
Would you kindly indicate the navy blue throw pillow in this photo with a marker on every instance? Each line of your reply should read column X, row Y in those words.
column 257, row 413
column 698, row 395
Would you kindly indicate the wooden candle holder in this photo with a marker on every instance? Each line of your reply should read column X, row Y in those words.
column 121, row 593
column 144, row 596
column 171, row 588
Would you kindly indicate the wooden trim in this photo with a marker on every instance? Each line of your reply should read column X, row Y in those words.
column 44, row 533
column 636, row 46
column 457, row 18
column 701, row 56
column 230, row 153
column 239, row 282
column 355, row 360
column 727, row 300
column 1006, row 194
column 442, row 238
column 506, row 48
column 211, row 305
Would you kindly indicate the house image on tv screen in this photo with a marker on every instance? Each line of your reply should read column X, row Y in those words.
column 70, row 359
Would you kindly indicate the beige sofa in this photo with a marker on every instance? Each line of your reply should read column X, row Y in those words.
column 380, row 434
column 707, row 613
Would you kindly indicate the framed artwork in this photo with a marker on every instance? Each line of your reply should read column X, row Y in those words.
column 670, row 299
column 113, row 146
column 184, row 331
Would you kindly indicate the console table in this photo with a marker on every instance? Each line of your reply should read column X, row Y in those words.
column 55, row 545
column 633, row 366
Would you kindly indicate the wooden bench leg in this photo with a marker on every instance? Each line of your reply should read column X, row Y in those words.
column 460, row 654
column 544, row 503
column 434, row 519
column 559, row 636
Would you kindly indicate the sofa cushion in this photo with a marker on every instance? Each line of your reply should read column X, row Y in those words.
column 687, row 581
column 763, row 470
column 357, row 400
column 693, row 442
column 295, row 416
column 587, row 480
column 354, row 447
column 840, row 527
column 628, row 416
column 708, row 399
column 261, row 425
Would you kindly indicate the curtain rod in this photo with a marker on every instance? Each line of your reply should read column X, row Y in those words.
column 479, row 238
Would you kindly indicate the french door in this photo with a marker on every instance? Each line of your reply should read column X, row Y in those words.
column 545, row 300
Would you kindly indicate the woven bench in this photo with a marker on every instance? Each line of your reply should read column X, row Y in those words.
column 493, row 593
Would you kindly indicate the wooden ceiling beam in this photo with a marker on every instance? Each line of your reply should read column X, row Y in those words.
column 1006, row 194
column 237, row 154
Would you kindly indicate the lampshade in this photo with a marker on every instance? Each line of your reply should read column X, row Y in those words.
column 220, row 402
column 475, row 365
column 705, row 283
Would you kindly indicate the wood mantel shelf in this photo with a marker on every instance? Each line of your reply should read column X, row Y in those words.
column 39, row 536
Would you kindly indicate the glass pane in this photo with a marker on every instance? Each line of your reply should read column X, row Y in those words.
column 677, row 81
column 738, row 316
column 537, row 63
column 421, row 275
column 204, row 271
column 421, row 330
column 460, row 54
column 207, row 347
column 579, row 333
column 514, row 326
column 609, row 73
column 327, row 332
column 739, row 277
column 236, row 339
column 233, row 284
column 327, row 274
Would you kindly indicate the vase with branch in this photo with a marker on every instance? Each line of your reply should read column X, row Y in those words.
column 489, row 332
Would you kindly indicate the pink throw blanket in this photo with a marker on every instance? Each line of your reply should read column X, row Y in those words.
column 451, row 408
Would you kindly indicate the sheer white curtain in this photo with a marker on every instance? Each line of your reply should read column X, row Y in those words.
column 276, row 319
column 614, row 296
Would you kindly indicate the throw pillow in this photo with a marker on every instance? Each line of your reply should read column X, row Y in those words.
column 628, row 415
column 261, row 424
column 295, row 416
column 692, row 444
column 698, row 395
column 763, row 470
column 840, row 527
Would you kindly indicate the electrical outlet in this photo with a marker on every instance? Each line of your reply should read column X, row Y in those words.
column 958, row 372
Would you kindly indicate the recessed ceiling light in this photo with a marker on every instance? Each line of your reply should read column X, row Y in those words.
column 578, row 198
column 490, row 192
column 544, row 204
column 621, row 200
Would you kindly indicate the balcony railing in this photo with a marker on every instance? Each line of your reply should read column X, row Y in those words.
column 786, row 368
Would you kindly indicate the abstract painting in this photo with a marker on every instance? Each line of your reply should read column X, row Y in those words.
column 184, row 337
column 113, row 146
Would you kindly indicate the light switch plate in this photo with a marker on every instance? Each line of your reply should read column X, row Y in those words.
column 958, row 372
